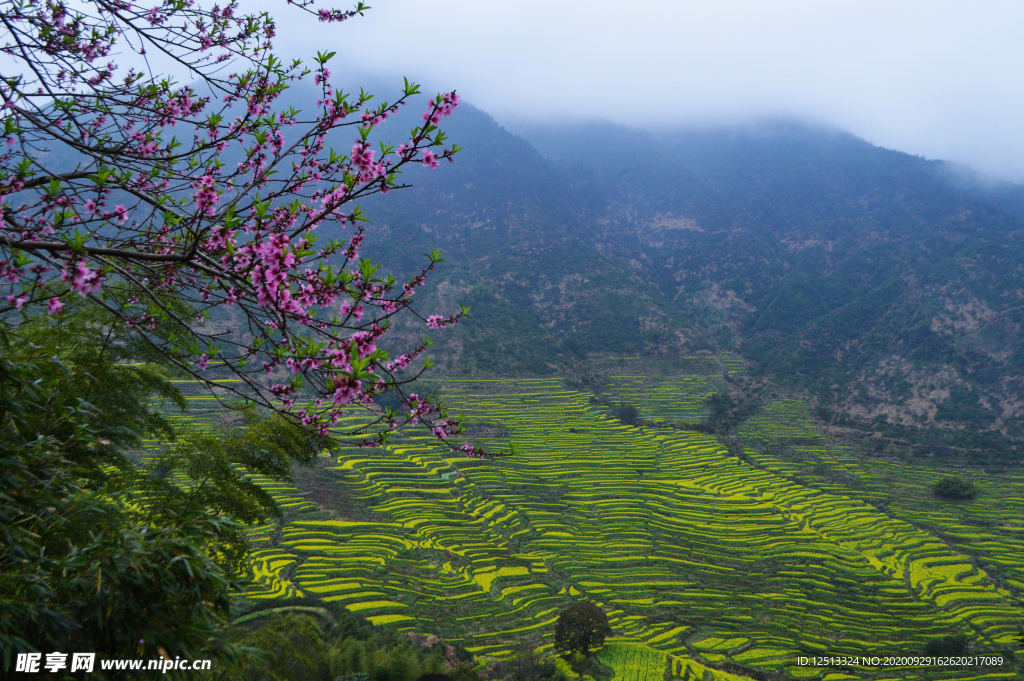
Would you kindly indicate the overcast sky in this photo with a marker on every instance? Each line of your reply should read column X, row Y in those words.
column 933, row 78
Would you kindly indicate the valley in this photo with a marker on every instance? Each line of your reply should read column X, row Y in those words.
column 705, row 562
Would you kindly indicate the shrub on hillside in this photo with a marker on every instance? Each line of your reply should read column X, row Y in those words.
column 628, row 414
column 299, row 646
column 527, row 665
column 947, row 645
column 955, row 487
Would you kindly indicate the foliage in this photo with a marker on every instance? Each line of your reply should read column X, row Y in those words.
column 264, row 445
column 824, row 413
column 166, row 205
column 725, row 412
column 87, row 364
column 527, row 665
column 299, row 647
column 955, row 487
column 627, row 413
column 79, row 568
column 720, row 412
column 955, row 644
column 580, row 627
column 102, row 550
column 292, row 649
column 963, row 405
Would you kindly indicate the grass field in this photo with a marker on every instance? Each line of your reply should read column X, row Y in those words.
column 698, row 557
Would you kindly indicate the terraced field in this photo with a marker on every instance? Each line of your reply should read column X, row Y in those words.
column 665, row 400
column 988, row 530
column 697, row 557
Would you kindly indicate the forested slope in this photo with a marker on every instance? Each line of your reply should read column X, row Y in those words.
column 869, row 279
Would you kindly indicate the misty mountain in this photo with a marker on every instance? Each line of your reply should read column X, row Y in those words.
column 543, row 292
column 880, row 283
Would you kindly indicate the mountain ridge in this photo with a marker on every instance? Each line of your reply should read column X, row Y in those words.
column 865, row 277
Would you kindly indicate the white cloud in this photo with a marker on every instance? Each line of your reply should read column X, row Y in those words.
column 938, row 78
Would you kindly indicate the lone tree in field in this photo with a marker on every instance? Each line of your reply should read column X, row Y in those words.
column 581, row 627
column 164, row 203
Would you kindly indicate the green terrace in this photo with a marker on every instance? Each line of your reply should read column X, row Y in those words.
column 988, row 531
column 697, row 557
column 674, row 399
